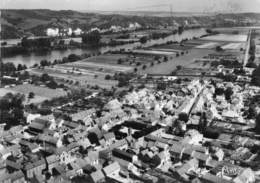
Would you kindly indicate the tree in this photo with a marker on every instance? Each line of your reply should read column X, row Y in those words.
column 52, row 84
column 45, row 77
column 143, row 39
column 19, row 67
column 219, row 48
column 178, row 67
column 161, row 86
column 251, row 64
column 183, row 117
column 44, row 63
column 31, row 95
column 257, row 124
column 92, row 38
column 256, row 76
column 12, row 109
column 228, row 93
column 107, row 77
column 119, row 61
column 144, row 67
column 73, row 58
column 165, row 59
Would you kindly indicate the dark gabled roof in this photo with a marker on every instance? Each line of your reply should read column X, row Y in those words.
column 13, row 164
column 34, row 164
column 71, row 124
column 214, row 179
column 37, row 126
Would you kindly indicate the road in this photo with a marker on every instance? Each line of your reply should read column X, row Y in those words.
column 247, row 48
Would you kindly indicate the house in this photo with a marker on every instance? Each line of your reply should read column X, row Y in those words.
column 187, row 153
column 202, row 158
column 247, row 176
column 16, row 177
column 109, row 138
column 34, row 169
column 120, row 144
column 4, row 153
column 93, row 158
column 186, row 168
column 52, row 161
column 176, row 150
column 66, row 157
column 97, row 177
column 122, row 155
column 210, row 178
column 111, row 169
column 32, row 117
column 219, row 154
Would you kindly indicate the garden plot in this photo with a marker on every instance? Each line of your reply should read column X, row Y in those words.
column 167, row 50
column 226, row 37
column 233, row 46
column 153, row 52
column 209, row 45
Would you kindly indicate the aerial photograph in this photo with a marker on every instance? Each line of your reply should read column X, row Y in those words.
column 137, row 91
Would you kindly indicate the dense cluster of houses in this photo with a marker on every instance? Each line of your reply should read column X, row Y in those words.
column 147, row 135
column 69, row 31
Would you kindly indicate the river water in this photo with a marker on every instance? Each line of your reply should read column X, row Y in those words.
column 36, row 57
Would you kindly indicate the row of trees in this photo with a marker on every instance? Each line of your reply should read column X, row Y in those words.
column 9, row 68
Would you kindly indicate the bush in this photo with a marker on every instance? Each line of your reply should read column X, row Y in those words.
column 107, row 77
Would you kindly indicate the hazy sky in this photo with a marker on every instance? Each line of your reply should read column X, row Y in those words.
column 141, row 5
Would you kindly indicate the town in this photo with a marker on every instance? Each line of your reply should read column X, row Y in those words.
column 183, row 109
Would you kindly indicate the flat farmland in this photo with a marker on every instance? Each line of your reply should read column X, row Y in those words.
column 209, row 45
column 233, row 46
column 232, row 30
column 175, row 47
column 227, row 37
column 106, row 58
column 186, row 59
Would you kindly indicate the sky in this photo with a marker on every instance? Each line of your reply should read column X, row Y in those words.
column 137, row 5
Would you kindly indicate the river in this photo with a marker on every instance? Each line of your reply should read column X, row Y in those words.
column 36, row 57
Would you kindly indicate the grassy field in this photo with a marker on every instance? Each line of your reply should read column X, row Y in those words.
column 41, row 93
column 86, row 78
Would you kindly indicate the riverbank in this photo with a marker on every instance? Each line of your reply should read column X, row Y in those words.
column 34, row 58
